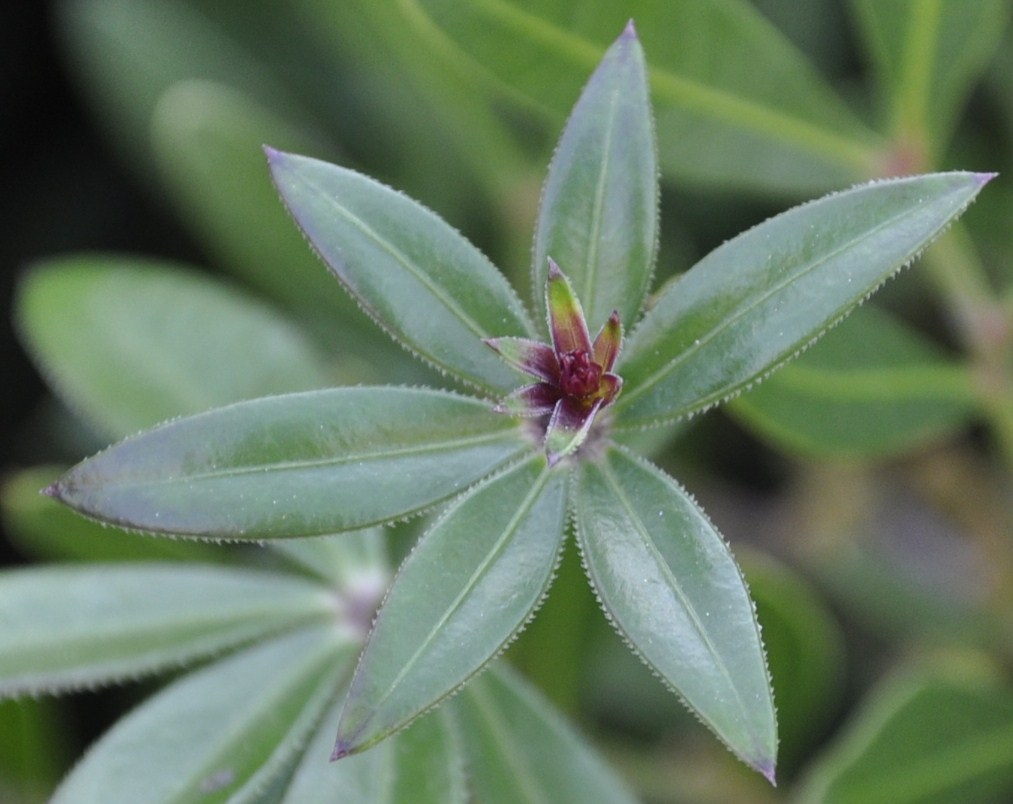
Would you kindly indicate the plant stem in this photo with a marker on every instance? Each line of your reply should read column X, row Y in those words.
column 984, row 326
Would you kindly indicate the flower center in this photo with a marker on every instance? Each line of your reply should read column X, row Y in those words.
column 579, row 375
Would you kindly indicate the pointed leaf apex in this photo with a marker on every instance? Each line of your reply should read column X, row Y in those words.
column 52, row 490
column 985, row 178
column 566, row 316
column 341, row 750
column 630, row 31
column 768, row 770
column 608, row 342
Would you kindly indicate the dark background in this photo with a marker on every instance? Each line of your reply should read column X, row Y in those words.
column 61, row 189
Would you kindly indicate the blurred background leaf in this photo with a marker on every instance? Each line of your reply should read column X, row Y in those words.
column 869, row 529
column 723, row 120
column 871, row 388
column 935, row 732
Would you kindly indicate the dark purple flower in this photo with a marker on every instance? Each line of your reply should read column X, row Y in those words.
column 575, row 379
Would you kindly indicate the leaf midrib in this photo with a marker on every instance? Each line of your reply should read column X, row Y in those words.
column 511, row 528
column 449, row 303
column 659, row 374
column 720, row 105
column 515, row 760
column 321, row 463
column 674, row 584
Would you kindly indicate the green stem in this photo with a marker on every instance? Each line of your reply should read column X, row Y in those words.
column 984, row 326
column 916, row 79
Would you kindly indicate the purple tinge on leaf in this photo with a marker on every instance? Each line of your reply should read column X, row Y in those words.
column 575, row 379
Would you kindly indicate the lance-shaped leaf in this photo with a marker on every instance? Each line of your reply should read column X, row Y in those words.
column 599, row 212
column 720, row 119
column 418, row 278
column 223, row 732
column 567, row 323
column 931, row 733
column 129, row 343
column 422, row 765
column 461, row 596
column 927, row 58
column 530, row 357
column 520, row 750
column 299, row 465
column 40, row 528
column 70, row 627
column 668, row 582
column 207, row 139
column 753, row 303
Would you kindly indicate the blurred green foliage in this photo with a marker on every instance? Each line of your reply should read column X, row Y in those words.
column 880, row 555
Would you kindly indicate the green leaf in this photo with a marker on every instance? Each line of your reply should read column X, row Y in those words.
column 68, row 627
column 754, row 302
column 422, row 765
column 35, row 749
column 720, row 119
column 521, row 751
column 669, row 584
column 418, row 278
column 440, row 116
column 805, row 653
column 220, row 733
column 208, row 139
column 39, row 527
column 126, row 53
column 355, row 560
column 306, row 464
column 928, row 56
column 130, row 342
column 934, row 735
column 599, row 212
column 871, row 388
column 461, row 596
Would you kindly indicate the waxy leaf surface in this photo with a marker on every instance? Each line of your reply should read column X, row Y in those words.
column 418, row 278
column 69, row 627
column 422, row 765
column 299, row 465
column 130, row 343
column 219, row 734
column 599, row 214
column 668, row 582
column 463, row 593
column 721, row 119
column 521, row 751
column 754, row 302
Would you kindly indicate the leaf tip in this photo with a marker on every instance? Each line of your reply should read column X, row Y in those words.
column 342, row 748
column 630, row 31
column 272, row 154
column 985, row 178
column 768, row 770
column 54, row 490
column 554, row 270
